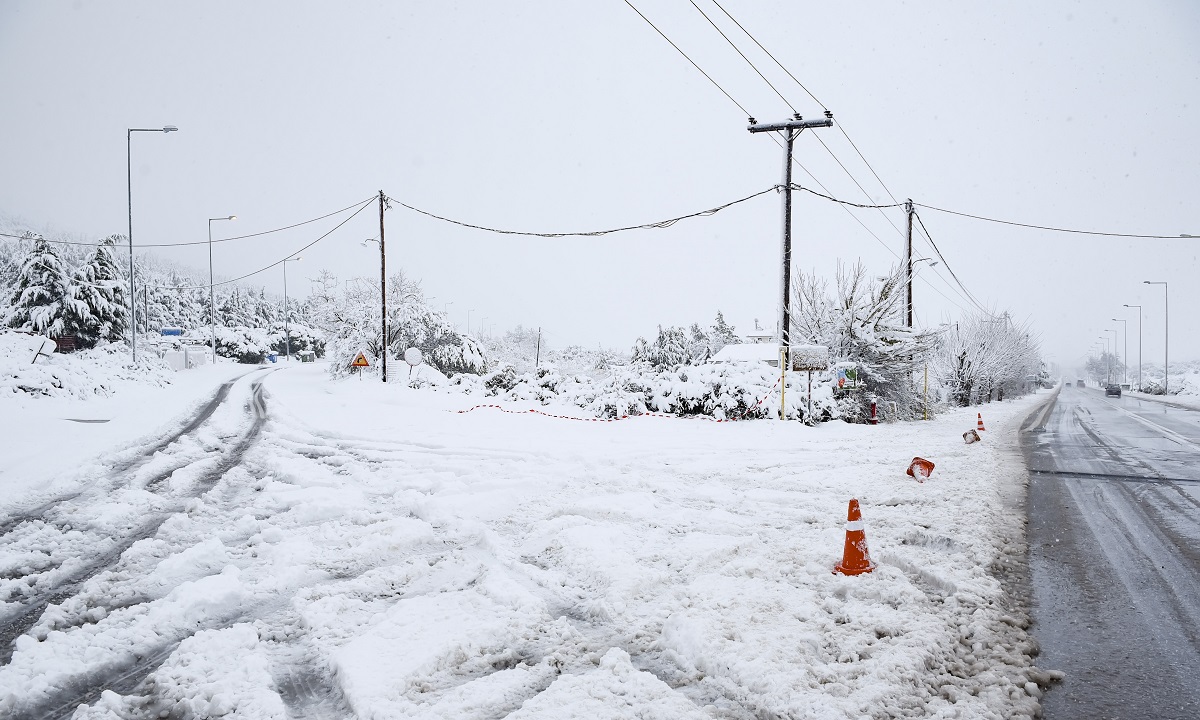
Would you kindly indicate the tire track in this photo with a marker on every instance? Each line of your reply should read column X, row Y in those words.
column 141, row 455
column 23, row 620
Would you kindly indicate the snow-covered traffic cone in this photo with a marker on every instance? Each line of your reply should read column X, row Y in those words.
column 919, row 468
column 979, row 422
column 855, row 558
column 970, row 436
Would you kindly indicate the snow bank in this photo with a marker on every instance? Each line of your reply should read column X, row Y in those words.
column 98, row 372
column 421, row 563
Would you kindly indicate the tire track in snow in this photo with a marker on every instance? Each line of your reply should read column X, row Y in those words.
column 141, row 455
column 24, row 619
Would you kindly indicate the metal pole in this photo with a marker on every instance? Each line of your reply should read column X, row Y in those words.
column 129, row 193
column 383, row 287
column 212, row 302
column 1166, row 333
column 537, row 361
column 287, row 330
column 908, row 274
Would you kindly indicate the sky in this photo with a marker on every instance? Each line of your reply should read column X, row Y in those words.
column 565, row 115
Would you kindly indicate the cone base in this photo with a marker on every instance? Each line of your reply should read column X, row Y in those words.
column 843, row 570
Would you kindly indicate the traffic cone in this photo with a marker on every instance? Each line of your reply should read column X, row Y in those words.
column 970, row 436
column 855, row 558
column 919, row 468
column 979, row 422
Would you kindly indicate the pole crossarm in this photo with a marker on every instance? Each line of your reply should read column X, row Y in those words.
column 795, row 124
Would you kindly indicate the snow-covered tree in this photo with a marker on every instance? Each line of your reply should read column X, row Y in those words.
column 981, row 358
column 721, row 334
column 864, row 324
column 669, row 350
column 97, row 310
column 41, row 294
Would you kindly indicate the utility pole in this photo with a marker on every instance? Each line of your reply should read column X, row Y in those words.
column 908, row 209
column 537, row 361
column 790, row 129
column 383, row 287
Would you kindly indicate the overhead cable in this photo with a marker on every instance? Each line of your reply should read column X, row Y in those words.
column 31, row 236
column 1048, row 227
column 693, row 62
column 274, row 264
column 589, row 233
column 739, row 52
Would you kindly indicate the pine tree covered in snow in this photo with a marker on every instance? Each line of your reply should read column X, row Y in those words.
column 41, row 293
column 98, row 310
column 669, row 350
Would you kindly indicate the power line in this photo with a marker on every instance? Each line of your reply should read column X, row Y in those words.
column 1047, row 227
column 693, row 62
column 31, row 236
column 591, row 233
column 739, row 52
column 289, row 256
column 760, row 47
column 265, row 232
column 844, row 202
column 949, row 269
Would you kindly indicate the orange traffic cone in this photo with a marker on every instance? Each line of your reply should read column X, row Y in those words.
column 979, row 422
column 855, row 558
column 919, row 468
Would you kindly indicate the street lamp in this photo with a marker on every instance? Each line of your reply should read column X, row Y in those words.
column 1166, row 332
column 287, row 311
column 212, row 302
column 1125, row 323
column 1139, row 307
column 1114, row 346
column 129, row 188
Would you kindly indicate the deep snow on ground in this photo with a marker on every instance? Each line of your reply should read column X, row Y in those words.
column 375, row 554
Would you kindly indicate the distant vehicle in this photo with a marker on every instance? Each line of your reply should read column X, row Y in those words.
column 1079, row 383
column 1112, row 389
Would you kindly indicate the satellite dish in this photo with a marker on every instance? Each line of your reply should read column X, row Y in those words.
column 412, row 356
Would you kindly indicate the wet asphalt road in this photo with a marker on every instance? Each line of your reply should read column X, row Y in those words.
column 1114, row 536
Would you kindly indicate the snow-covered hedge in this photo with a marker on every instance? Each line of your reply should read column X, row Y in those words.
column 97, row 372
column 722, row 391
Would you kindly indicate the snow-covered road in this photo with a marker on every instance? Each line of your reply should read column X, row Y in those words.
column 363, row 552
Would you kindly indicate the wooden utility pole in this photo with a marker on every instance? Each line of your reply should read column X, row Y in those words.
column 383, row 286
column 790, row 129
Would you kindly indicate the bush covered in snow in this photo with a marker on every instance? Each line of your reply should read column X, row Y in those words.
column 721, row 391
column 99, row 371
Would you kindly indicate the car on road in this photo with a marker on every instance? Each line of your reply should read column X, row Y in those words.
column 1112, row 389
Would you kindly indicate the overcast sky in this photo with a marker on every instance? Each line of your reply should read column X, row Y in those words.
column 566, row 115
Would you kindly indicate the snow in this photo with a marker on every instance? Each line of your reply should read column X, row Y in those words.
column 429, row 563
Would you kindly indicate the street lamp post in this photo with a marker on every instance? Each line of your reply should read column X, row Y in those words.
column 287, row 311
column 1139, row 307
column 1108, row 356
column 1166, row 333
column 1125, row 334
column 212, row 300
column 129, row 188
